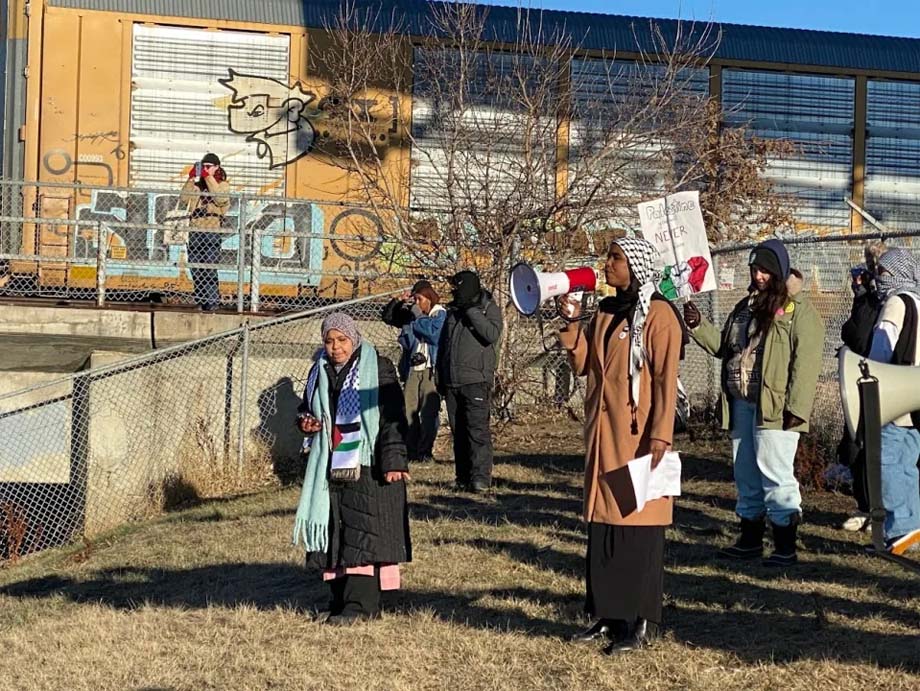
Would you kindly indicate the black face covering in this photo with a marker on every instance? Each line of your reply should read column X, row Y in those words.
column 466, row 288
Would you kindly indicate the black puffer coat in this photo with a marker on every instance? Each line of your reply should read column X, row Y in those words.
column 369, row 519
column 467, row 350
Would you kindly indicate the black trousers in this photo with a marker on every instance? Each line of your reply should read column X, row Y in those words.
column 468, row 409
column 355, row 595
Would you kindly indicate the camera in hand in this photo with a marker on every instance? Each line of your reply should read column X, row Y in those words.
column 418, row 359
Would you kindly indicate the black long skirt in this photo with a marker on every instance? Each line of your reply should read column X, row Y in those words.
column 625, row 572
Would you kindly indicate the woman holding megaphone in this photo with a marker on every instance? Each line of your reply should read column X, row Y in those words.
column 629, row 351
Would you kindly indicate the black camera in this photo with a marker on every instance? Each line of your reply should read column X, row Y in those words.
column 418, row 359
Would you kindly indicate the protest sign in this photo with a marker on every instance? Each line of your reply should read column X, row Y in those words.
column 674, row 224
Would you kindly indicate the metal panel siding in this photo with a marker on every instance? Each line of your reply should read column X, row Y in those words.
column 12, row 151
column 893, row 154
column 490, row 159
column 285, row 12
column 589, row 31
column 4, row 115
column 603, row 90
column 179, row 107
column 816, row 114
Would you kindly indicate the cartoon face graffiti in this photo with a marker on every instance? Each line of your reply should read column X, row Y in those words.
column 272, row 114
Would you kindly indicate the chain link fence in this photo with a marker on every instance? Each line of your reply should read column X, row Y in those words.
column 109, row 244
column 133, row 436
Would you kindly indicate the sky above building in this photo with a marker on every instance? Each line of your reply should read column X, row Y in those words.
column 880, row 17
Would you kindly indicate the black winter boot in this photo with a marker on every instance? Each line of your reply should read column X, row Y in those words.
column 750, row 544
column 641, row 635
column 783, row 545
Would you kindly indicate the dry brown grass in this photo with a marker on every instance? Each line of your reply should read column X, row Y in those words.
column 215, row 598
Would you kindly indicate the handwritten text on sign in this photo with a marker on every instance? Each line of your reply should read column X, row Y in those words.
column 675, row 226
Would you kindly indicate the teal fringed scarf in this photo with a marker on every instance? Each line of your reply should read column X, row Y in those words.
column 311, row 525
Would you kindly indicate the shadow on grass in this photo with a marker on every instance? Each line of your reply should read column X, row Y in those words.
column 523, row 510
column 755, row 617
column 760, row 623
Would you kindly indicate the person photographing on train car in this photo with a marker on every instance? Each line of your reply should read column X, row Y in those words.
column 206, row 192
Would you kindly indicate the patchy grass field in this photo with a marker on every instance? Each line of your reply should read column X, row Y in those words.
column 214, row 597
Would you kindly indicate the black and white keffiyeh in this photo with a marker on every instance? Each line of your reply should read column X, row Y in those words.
column 645, row 265
column 901, row 273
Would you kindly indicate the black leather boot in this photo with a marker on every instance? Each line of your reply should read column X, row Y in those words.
column 750, row 544
column 601, row 630
column 783, row 545
column 641, row 635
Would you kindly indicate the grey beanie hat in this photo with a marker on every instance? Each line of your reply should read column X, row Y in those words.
column 339, row 321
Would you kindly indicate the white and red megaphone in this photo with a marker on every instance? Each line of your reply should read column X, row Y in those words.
column 530, row 288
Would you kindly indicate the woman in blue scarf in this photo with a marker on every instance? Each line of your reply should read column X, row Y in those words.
column 352, row 518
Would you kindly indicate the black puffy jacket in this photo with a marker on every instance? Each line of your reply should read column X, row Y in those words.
column 467, row 351
column 368, row 518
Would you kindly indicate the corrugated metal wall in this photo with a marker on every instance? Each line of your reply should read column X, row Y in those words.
column 485, row 159
column 179, row 107
column 590, row 31
column 13, row 53
column 893, row 153
column 607, row 96
column 816, row 114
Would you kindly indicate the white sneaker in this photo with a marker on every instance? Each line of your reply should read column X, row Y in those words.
column 857, row 522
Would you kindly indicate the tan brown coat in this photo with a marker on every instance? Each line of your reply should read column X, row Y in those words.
column 206, row 209
column 609, row 439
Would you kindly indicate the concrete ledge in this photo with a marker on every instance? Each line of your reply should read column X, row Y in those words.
column 165, row 325
column 67, row 321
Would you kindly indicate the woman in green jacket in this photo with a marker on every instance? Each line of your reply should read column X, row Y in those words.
column 771, row 349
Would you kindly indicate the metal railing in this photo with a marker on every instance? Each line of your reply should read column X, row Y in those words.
column 123, row 244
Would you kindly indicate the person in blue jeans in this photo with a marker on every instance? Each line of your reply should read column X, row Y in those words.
column 771, row 349
column 894, row 340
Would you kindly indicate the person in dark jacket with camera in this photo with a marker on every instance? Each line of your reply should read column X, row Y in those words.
column 856, row 334
column 467, row 355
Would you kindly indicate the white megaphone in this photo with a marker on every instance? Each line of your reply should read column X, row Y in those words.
column 531, row 288
column 898, row 386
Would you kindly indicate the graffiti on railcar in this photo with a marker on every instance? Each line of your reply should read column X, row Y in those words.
column 271, row 114
column 291, row 245
column 286, row 122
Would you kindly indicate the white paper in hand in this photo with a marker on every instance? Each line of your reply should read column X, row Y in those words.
column 663, row 481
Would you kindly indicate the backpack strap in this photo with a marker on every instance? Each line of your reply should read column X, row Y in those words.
column 905, row 351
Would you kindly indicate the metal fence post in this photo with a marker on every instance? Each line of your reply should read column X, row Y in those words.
column 255, row 268
column 101, row 251
column 241, row 254
column 244, row 380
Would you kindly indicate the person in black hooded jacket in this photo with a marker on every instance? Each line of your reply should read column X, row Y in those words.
column 467, row 355
column 856, row 334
